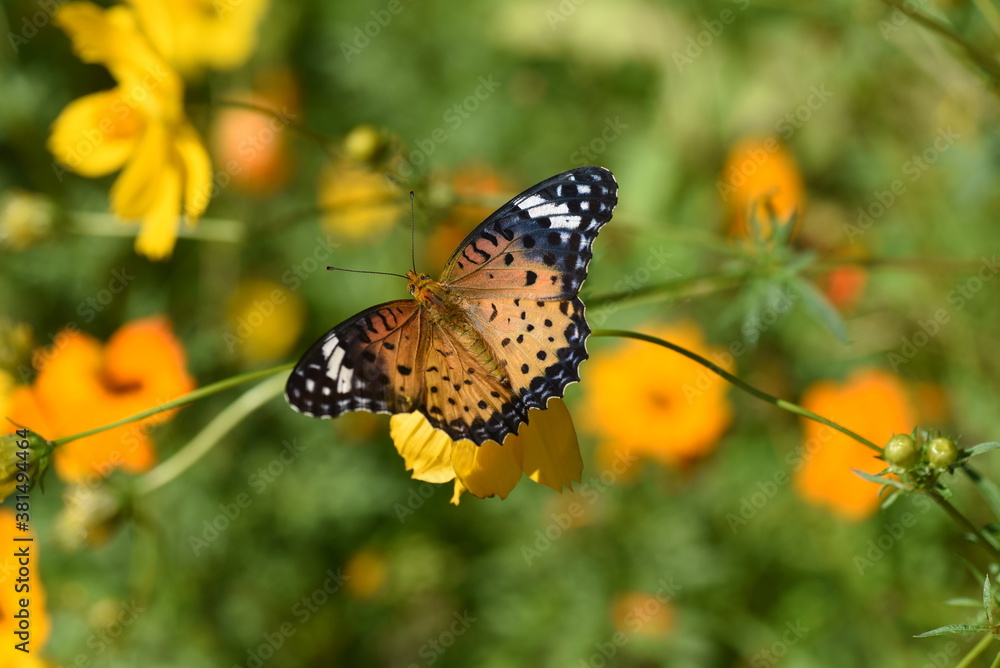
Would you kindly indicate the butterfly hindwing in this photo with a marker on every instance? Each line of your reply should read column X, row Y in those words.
column 538, row 245
column 541, row 343
column 368, row 362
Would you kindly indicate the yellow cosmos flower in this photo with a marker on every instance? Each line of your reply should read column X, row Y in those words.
column 358, row 202
column 195, row 34
column 652, row 402
column 264, row 321
column 545, row 449
column 138, row 127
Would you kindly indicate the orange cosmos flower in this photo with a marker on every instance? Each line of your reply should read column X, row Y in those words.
column 10, row 597
column 545, row 449
column 871, row 402
column 82, row 385
column 645, row 614
column 645, row 400
column 760, row 180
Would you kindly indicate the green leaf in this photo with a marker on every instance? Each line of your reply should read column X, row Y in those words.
column 980, row 449
column 881, row 481
column 956, row 629
column 820, row 308
column 963, row 602
column 988, row 600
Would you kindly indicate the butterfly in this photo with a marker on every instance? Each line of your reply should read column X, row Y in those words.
column 501, row 331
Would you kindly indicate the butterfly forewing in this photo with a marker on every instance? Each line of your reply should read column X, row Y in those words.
column 538, row 245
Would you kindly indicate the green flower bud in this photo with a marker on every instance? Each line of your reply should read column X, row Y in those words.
column 20, row 457
column 942, row 452
column 902, row 452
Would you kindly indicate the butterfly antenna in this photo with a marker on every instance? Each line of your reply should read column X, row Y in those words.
column 362, row 271
column 413, row 256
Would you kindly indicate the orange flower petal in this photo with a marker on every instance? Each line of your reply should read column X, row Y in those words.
column 41, row 622
column 874, row 404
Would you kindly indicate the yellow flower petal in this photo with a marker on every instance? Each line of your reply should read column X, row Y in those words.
column 489, row 469
column 457, row 494
column 426, row 450
column 133, row 194
column 197, row 172
column 159, row 225
column 95, row 134
column 551, row 450
column 112, row 38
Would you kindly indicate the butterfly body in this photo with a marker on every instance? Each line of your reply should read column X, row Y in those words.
column 500, row 332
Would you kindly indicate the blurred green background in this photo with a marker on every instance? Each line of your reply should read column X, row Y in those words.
column 855, row 90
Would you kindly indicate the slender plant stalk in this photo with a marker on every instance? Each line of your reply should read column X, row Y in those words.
column 325, row 141
column 974, row 653
column 208, row 437
column 962, row 520
column 191, row 397
column 763, row 396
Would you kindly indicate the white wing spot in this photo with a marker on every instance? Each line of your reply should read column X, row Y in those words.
column 344, row 381
column 583, row 190
column 328, row 347
column 310, row 385
column 565, row 222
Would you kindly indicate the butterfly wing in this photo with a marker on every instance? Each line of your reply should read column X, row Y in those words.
column 369, row 362
column 538, row 245
column 518, row 275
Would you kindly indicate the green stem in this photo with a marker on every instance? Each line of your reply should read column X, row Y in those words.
column 209, row 436
column 763, row 396
column 984, row 61
column 974, row 653
column 191, row 397
column 713, row 282
column 965, row 522
column 109, row 225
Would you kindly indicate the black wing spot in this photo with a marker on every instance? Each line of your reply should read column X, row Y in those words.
column 493, row 315
column 528, row 241
column 520, row 338
column 540, row 304
column 530, row 278
column 388, row 345
column 434, row 389
column 547, row 323
column 489, row 237
column 541, row 355
column 494, row 394
column 482, row 404
column 505, row 342
column 564, row 308
column 451, row 400
column 525, row 368
column 368, row 356
column 404, row 370
column 554, row 238
column 549, row 259
column 523, row 315
column 508, row 259
column 530, row 328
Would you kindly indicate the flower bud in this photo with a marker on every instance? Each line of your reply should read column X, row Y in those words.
column 25, row 218
column 89, row 518
column 942, row 452
column 901, row 451
column 21, row 458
